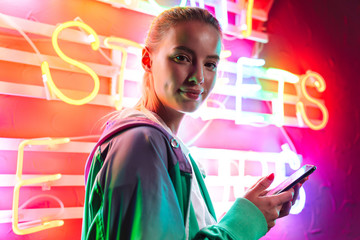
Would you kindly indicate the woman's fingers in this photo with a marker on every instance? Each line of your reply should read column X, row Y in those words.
column 261, row 185
column 284, row 197
column 296, row 192
column 304, row 180
column 285, row 209
column 273, row 206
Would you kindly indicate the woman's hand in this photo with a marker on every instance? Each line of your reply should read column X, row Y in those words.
column 285, row 210
column 274, row 206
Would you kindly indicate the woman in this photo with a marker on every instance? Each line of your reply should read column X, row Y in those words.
column 141, row 182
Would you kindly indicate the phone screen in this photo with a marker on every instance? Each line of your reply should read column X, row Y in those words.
column 291, row 181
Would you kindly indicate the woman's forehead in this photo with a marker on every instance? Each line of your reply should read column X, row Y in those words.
column 194, row 35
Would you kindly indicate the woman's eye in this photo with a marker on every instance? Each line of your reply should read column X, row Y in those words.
column 181, row 58
column 211, row 66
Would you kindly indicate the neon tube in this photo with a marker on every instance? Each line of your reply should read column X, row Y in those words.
column 239, row 83
column 290, row 157
column 15, row 26
column 238, row 98
column 159, row 8
column 225, row 54
column 246, row 33
column 24, row 182
column 320, row 85
column 300, row 203
column 278, row 105
column 95, row 43
column 231, row 159
column 201, row 3
column 132, row 3
column 120, row 83
column 281, row 76
column 252, row 62
column 224, row 14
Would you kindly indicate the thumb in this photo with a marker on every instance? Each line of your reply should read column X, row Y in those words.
column 263, row 184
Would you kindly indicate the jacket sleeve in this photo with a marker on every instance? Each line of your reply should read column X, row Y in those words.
column 244, row 221
column 138, row 200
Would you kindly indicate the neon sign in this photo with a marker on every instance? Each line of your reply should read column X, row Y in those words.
column 238, row 180
column 120, row 90
column 279, row 75
column 95, row 43
column 320, row 85
column 243, row 11
column 278, row 104
column 25, row 182
column 240, row 90
column 242, row 61
column 246, row 28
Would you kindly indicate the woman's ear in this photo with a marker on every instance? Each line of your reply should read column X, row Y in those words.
column 146, row 59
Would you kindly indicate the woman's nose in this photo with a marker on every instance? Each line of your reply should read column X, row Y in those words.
column 198, row 75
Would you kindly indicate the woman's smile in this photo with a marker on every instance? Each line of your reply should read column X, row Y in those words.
column 192, row 93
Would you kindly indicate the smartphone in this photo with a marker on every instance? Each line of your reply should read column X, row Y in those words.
column 295, row 178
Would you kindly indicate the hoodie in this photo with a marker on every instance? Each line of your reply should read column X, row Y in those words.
column 138, row 186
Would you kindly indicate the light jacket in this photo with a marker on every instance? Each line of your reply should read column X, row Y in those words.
column 138, row 186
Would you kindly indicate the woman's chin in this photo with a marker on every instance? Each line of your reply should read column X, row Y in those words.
column 190, row 108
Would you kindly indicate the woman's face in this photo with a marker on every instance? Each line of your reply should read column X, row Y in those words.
column 184, row 65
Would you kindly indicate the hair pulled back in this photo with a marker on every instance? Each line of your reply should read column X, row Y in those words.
column 171, row 17
column 162, row 24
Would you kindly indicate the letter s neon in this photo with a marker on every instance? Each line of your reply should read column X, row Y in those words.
column 46, row 71
column 300, row 107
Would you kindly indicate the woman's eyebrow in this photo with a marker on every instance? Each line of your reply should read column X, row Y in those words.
column 190, row 51
column 215, row 57
column 186, row 49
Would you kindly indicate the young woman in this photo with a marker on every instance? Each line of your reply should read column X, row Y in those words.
column 141, row 181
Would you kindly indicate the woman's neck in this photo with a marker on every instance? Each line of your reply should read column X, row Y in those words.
column 170, row 117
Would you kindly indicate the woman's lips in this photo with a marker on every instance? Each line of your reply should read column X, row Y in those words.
column 193, row 94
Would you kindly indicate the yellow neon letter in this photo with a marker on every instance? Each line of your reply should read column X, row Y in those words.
column 95, row 43
column 246, row 33
column 225, row 54
column 120, row 89
column 320, row 85
column 23, row 182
